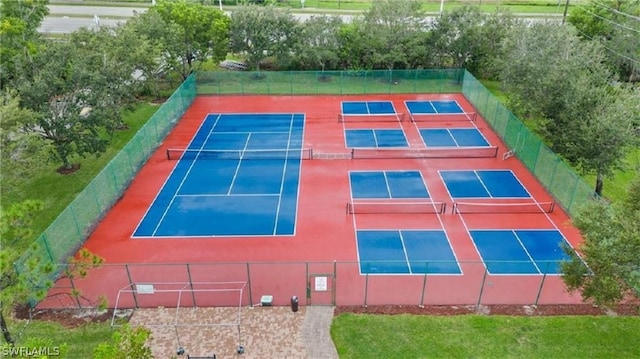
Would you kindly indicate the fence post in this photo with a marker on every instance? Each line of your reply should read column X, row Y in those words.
column 74, row 292
column 75, row 221
column 366, row 286
column 307, row 285
column 193, row 295
column 46, row 246
column 335, row 278
column 484, row 278
column 424, row 284
column 249, row 282
column 544, row 276
column 133, row 289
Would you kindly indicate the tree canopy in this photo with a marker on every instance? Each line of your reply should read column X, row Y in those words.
column 192, row 33
column 609, row 269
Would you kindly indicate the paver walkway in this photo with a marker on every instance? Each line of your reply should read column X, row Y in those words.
column 262, row 332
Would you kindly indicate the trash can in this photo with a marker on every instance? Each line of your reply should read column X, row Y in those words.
column 294, row 304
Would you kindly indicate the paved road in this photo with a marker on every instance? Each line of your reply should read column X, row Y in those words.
column 66, row 19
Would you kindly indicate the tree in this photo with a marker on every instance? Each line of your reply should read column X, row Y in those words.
column 70, row 101
column 318, row 45
column 356, row 50
column 605, row 135
column 610, row 250
column 614, row 23
column 261, row 32
column 19, row 22
column 454, row 36
column 583, row 117
column 23, row 153
column 17, row 283
column 126, row 343
column 111, row 63
column 144, row 30
column 392, row 24
column 194, row 33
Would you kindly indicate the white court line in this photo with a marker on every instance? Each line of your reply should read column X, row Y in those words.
column 482, row 183
column 184, row 178
column 166, row 180
column 233, row 195
column 526, row 251
column 235, row 174
column 282, row 177
column 404, row 250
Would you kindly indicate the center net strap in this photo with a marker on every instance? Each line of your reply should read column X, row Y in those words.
column 506, row 208
column 429, row 152
column 395, row 207
column 189, row 154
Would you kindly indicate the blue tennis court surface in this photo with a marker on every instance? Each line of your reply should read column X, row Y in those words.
column 453, row 137
column 433, row 107
column 405, row 252
column 375, row 138
column 520, row 251
column 368, row 108
column 387, row 184
column 240, row 176
column 483, row 184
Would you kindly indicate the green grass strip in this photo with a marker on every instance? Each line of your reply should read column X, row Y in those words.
column 474, row 336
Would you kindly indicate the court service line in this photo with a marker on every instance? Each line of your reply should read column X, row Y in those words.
column 386, row 183
column 282, row 177
column 404, row 250
column 248, row 132
column 375, row 138
column 453, row 137
column 226, row 195
column 165, row 183
column 475, row 172
column 526, row 251
column 184, row 178
column 235, row 174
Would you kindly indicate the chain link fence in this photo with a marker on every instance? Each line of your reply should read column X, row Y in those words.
column 71, row 228
column 562, row 181
column 329, row 82
column 153, row 285
column 69, row 231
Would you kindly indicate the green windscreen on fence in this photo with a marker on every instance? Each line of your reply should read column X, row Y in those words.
column 329, row 82
column 70, row 229
column 562, row 181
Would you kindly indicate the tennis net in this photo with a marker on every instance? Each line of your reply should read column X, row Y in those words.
column 506, row 208
column 374, row 117
column 429, row 152
column 188, row 154
column 433, row 117
column 395, row 207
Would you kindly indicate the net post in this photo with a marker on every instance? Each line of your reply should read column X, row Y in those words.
column 340, row 117
column 168, row 154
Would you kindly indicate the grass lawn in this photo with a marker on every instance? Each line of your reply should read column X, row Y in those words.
column 474, row 336
column 57, row 191
column 80, row 342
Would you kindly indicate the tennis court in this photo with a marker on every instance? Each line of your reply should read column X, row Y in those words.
column 238, row 176
column 272, row 191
